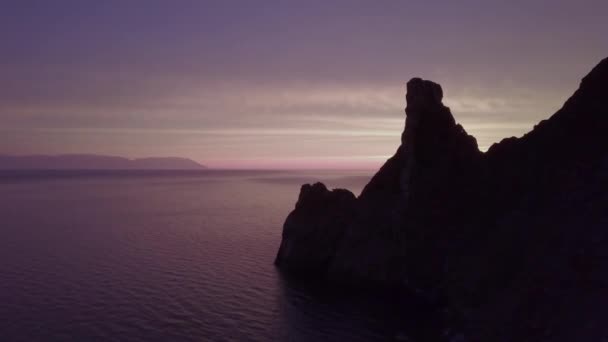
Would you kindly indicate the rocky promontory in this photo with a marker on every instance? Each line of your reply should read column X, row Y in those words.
column 514, row 239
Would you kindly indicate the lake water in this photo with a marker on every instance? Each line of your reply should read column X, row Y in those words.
column 164, row 256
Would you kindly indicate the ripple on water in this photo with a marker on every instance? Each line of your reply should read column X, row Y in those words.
column 157, row 258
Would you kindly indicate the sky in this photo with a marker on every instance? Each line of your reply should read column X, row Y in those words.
column 280, row 84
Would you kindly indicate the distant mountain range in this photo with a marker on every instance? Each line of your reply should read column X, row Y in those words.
column 95, row 162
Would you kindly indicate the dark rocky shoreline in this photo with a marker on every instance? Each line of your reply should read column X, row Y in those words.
column 514, row 240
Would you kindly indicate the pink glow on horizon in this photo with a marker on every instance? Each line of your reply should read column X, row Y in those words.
column 372, row 163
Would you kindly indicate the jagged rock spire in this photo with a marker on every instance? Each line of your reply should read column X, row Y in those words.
column 430, row 141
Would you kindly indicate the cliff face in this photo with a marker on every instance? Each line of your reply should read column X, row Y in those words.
column 369, row 241
column 515, row 238
column 314, row 229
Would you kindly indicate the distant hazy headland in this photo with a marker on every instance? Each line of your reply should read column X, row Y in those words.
column 94, row 162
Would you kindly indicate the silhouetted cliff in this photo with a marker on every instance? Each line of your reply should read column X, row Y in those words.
column 514, row 239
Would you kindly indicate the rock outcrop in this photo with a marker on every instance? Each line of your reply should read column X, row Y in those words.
column 312, row 232
column 515, row 239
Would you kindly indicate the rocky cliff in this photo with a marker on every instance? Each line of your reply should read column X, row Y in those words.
column 514, row 239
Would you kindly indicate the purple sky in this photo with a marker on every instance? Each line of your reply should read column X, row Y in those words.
column 280, row 83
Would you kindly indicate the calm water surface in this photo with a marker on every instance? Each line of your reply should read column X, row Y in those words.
column 163, row 256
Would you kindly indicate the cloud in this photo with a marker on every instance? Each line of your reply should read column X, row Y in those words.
column 214, row 81
column 289, row 120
